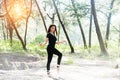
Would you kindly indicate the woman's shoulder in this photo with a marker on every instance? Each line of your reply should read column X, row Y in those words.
column 48, row 35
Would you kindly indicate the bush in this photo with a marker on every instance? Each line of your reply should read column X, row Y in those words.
column 38, row 39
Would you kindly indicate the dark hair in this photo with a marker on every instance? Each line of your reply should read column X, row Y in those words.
column 50, row 28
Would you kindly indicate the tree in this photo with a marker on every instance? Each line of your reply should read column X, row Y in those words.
column 13, row 25
column 10, row 31
column 79, row 22
column 6, row 22
column 3, row 29
column 90, row 29
column 72, row 49
column 51, row 15
column 52, row 18
column 119, row 37
column 27, row 21
column 109, row 22
column 101, row 43
column 41, row 15
column 11, row 18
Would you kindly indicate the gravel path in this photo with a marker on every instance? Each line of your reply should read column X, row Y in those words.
column 80, row 69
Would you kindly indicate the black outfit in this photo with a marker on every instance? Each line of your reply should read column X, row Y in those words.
column 52, row 50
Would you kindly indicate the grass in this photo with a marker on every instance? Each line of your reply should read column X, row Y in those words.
column 80, row 52
column 69, row 62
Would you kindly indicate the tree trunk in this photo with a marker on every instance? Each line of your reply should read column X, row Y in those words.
column 90, row 29
column 58, row 34
column 7, row 32
column 119, row 37
column 10, row 30
column 19, row 37
column 41, row 15
column 11, row 35
column 109, row 22
column 101, row 43
column 81, row 29
column 3, row 29
column 52, row 18
column 27, row 22
column 72, row 49
column 12, row 24
column 26, row 31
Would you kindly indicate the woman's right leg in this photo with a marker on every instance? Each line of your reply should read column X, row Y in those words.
column 50, row 55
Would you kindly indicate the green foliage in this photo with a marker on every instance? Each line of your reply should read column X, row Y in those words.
column 32, row 47
column 5, row 45
column 38, row 39
column 81, row 8
column 69, row 61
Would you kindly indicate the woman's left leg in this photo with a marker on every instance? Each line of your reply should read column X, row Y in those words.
column 59, row 54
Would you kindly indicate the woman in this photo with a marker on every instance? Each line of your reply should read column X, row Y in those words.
column 51, row 40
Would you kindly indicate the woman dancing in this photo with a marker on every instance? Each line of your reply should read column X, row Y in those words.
column 51, row 40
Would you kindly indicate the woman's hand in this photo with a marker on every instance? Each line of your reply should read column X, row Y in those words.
column 44, row 43
column 41, row 44
column 63, row 41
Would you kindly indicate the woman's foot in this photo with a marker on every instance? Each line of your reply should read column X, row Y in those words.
column 58, row 69
column 48, row 73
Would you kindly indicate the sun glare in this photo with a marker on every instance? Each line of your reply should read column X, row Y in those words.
column 18, row 10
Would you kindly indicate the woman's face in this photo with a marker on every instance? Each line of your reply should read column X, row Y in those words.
column 52, row 29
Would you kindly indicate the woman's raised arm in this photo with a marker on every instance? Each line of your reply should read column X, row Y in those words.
column 45, row 42
column 58, row 42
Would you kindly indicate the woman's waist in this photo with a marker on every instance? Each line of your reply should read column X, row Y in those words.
column 50, row 46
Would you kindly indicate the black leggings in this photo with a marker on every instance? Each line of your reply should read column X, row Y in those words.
column 50, row 52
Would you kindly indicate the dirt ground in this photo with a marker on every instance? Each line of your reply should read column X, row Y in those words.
column 19, row 67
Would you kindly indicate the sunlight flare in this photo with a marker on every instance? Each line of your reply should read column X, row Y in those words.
column 18, row 10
